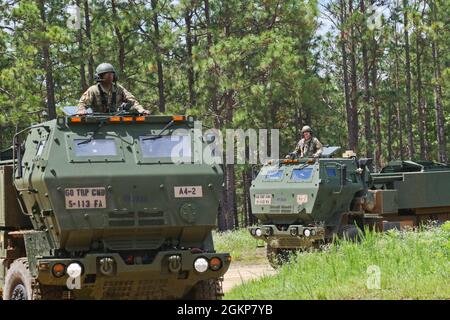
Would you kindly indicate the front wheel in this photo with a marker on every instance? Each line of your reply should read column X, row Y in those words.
column 351, row 233
column 210, row 289
column 277, row 257
column 18, row 281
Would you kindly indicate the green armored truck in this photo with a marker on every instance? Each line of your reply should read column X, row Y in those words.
column 109, row 207
column 303, row 203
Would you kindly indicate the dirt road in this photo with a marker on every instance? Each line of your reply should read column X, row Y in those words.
column 239, row 273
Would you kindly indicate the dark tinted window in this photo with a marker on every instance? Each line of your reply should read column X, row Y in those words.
column 331, row 172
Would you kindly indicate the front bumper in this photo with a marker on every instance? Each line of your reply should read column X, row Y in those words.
column 295, row 236
column 165, row 277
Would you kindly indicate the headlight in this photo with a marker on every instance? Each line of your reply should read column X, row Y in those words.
column 201, row 265
column 313, row 232
column 306, row 232
column 258, row 232
column 74, row 270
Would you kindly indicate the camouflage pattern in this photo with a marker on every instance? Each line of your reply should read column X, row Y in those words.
column 308, row 148
column 92, row 98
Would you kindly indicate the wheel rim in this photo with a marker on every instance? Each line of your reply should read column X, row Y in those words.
column 19, row 292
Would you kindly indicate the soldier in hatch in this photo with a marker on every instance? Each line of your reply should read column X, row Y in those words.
column 308, row 146
column 107, row 95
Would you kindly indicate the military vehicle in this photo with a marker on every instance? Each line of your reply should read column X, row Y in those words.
column 304, row 203
column 109, row 206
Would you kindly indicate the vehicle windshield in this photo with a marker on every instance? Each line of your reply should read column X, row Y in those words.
column 301, row 174
column 95, row 147
column 273, row 175
column 177, row 148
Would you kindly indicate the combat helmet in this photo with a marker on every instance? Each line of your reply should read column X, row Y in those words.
column 306, row 129
column 104, row 68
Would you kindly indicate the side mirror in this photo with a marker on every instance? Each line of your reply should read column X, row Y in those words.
column 18, row 154
column 365, row 162
column 343, row 175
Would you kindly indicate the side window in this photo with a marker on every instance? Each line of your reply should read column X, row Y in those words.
column 331, row 172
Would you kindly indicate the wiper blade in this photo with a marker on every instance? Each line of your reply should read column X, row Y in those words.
column 161, row 132
column 92, row 136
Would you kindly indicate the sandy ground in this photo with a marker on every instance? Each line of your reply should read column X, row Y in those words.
column 240, row 273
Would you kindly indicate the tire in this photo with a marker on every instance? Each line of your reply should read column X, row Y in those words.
column 49, row 292
column 210, row 289
column 350, row 232
column 277, row 257
column 18, row 281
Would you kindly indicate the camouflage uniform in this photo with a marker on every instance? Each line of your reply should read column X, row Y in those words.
column 93, row 98
column 309, row 148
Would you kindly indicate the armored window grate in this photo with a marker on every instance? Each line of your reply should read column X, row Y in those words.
column 136, row 219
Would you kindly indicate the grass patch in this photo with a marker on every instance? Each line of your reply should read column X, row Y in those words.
column 242, row 247
column 412, row 265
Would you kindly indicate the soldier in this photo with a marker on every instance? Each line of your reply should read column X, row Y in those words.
column 308, row 146
column 107, row 95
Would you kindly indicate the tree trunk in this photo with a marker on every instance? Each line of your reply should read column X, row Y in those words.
column 120, row 40
column 83, row 83
column 49, row 84
column 420, row 99
column 440, row 120
column 376, row 109
column 208, row 24
column 212, row 85
column 245, row 194
column 230, row 212
column 354, row 92
column 249, row 219
column 1, row 136
column 367, row 114
column 89, row 42
column 397, row 88
column 343, row 43
column 162, row 99
column 409, row 115
column 389, row 133
column 190, row 66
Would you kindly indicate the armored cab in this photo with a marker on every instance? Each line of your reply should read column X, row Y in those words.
column 303, row 203
column 110, row 207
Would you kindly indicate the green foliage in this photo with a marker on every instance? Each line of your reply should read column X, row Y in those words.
column 253, row 64
column 242, row 247
column 413, row 265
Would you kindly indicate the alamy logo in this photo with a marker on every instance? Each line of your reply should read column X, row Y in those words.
column 374, row 277
column 251, row 146
column 74, row 20
column 74, row 271
column 375, row 18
